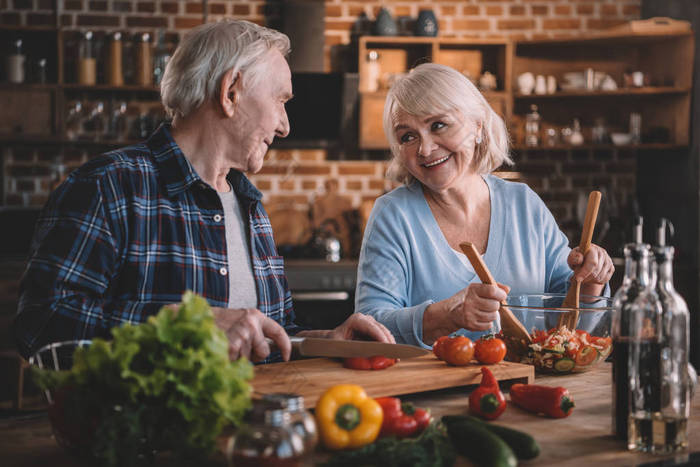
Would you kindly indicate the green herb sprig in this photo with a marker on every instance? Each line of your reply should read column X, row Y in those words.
column 432, row 448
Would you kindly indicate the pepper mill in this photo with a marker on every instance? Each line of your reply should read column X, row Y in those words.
column 144, row 72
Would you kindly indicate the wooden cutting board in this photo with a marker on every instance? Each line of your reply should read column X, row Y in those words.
column 311, row 377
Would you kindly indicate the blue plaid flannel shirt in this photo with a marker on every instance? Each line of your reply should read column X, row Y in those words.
column 129, row 232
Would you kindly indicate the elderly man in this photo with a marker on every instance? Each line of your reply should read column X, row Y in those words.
column 132, row 229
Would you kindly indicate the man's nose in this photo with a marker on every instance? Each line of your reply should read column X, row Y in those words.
column 283, row 127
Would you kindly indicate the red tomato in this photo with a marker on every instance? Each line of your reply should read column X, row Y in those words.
column 368, row 363
column 379, row 363
column 458, row 351
column 439, row 346
column 357, row 363
column 581, row 332
column 490, row 350
column 539, row 336
column 586, row 356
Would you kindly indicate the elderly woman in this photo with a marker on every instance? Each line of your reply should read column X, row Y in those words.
column 445, row 141
column 133, row 229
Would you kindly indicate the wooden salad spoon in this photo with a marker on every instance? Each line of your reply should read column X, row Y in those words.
column 570, row 318
column 510, row 324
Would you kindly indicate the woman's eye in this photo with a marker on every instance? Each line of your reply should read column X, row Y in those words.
column 406, row 138
column 437, row 126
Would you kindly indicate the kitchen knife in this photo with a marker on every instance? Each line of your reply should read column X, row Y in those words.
column 319, row 347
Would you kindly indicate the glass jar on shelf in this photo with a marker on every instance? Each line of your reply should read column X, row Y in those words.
column 87, row 63
column 74, row 120
column 144, row 62
column 576, row 138
column 599, row 132
column 161, row 57
column 373, row 71
column 117, row 128
column 95, row 124
column 15, row 63
column 532, row 127
column 115, row 75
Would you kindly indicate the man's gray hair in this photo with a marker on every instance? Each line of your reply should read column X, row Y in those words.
column 193, row 74
column 430, row 89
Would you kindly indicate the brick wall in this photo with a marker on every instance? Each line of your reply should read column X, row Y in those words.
column 459, row 18
column 560, row 177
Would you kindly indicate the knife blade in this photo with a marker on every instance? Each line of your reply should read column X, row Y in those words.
column 320, row 347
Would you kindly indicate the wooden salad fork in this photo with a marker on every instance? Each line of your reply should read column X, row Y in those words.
column 570, row 318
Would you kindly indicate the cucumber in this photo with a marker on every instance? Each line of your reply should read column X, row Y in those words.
column 523, row 445
column 479, row 445
column 564, row 365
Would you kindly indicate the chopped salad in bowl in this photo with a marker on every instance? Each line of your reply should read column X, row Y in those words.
column 561, row 350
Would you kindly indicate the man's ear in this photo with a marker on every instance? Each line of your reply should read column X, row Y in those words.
column 230, row 89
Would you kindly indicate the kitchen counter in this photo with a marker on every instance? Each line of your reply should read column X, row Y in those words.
column 581, row 439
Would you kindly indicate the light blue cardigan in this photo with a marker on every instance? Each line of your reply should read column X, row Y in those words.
column 406, row 263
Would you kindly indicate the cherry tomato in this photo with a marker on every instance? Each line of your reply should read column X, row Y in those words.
column 368, row 363
column 458, row 351
column 439, row 346
column 586, row 356
column 357, row 363
column 583, row 333
column 490, row 350
column 379, row 363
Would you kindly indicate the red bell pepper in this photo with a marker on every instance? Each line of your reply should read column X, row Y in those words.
column 368, row 363
column 555, row 402
column 402, row 420
column 487, row 401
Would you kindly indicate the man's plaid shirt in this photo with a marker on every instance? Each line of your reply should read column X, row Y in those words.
column 129, row 232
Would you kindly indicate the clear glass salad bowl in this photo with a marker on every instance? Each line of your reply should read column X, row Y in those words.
column 561, row 350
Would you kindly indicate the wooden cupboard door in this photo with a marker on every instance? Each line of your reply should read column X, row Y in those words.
column 26, row 111
column 371, row 127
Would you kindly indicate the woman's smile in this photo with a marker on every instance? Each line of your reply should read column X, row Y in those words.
column 437, row 162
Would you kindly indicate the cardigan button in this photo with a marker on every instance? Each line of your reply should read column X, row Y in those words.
column 217, row 217
column 223, row 271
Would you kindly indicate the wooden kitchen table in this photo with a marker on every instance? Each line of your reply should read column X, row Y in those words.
column 582, row 439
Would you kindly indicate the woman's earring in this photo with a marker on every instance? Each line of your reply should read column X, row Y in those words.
column 478, row 139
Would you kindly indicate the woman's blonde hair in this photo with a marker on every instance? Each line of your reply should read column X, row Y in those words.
column 430, row 89
column 193, row 74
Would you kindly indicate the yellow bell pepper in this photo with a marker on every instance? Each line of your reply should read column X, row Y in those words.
column 347, row 417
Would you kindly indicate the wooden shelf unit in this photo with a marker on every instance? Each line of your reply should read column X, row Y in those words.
column 48, row 101
column 664, row 57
